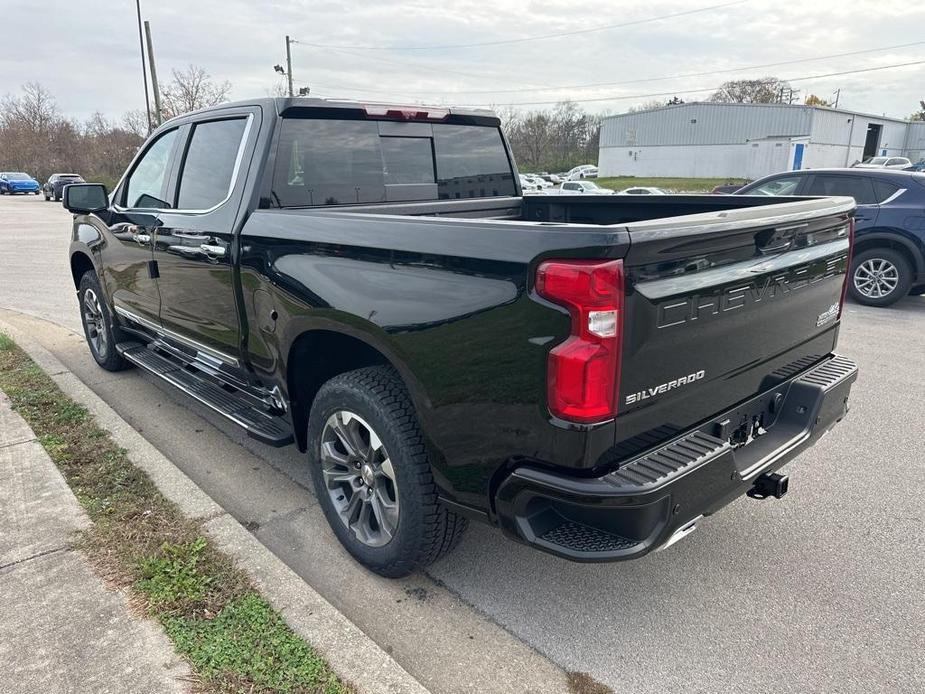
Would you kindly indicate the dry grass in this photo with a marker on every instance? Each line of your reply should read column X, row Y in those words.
column 139, row 540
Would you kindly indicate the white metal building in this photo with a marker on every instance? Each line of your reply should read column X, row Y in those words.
column 706, row 139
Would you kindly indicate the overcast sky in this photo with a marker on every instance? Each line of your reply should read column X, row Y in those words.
column 86, row 51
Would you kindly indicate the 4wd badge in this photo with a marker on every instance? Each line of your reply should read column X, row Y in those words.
column 827, row 316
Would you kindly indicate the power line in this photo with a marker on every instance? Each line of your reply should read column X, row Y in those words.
column 542, row 37
column 650, row 79
column 406, row 65
column 704, row 89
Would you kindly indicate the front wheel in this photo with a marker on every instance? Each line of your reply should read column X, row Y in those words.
column 879, row 277
column 99, row 330
column 372, row 477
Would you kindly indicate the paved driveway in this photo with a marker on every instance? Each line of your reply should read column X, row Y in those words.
column 823, row 590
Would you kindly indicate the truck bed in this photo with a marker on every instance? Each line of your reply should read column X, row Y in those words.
column 567, row 209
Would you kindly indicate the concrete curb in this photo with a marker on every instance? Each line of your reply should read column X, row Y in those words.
column 352, row 654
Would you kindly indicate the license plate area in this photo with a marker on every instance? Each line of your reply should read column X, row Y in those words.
column 751, row 420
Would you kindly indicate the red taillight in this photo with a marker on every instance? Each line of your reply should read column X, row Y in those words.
column 848, row 278
column 583, row 373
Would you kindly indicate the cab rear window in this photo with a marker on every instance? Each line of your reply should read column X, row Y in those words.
column 346, row 162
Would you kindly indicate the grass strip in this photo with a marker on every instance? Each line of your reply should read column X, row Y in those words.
column 678, row 185
column 232, row 638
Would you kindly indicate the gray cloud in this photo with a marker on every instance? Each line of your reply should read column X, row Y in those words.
column 86, row 52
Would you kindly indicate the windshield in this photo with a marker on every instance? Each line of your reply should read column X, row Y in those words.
column 877, row 160
column 588, row 184
column 18, row 177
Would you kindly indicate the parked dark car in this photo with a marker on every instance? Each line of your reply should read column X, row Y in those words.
column 917, row 166
column 889, row 251
column 14, row 182
column 54, row 186
column 369, row 282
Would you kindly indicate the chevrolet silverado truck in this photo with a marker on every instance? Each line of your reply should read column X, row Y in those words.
column 593, row 375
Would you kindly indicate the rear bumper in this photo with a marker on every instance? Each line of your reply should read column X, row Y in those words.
column 655, row 499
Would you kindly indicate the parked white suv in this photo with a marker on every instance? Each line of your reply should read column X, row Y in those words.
column 583, row 188
column 884, row 163
column 583, row 171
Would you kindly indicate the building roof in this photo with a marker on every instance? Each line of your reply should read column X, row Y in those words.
column 720, row 104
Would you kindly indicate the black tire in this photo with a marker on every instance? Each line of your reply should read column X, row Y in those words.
column 426, row 530
column 100, row 333
column 47, row 199
column 893, row 283
column 57, row 197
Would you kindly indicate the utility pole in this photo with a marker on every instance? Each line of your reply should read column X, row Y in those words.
column 157, row 92
column 144, row 70
column 289, row 64
column 837, row 94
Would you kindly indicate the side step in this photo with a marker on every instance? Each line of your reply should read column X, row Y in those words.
column 264, row 427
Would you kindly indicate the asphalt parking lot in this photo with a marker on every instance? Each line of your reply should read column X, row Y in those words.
column 821, row 591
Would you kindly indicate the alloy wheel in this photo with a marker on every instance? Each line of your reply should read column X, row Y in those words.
column 876, row 278
column 359, row 478
column 94, row 322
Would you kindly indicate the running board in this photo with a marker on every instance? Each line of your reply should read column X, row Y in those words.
column 259, row 425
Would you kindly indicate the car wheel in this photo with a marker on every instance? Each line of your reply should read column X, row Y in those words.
column 57, row 197
column 47, row 199
column 99, row 330
column 879, row 277
column 372, row 477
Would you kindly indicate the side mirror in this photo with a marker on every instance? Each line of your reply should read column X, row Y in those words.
column 83, row 198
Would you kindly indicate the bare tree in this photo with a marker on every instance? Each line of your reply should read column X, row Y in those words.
column 35, row 110
column 135, row 122
column 552, row 140
column 920, row 114
column 190, row 90
column 813, row 100
column 37, row 139
column 764, row 90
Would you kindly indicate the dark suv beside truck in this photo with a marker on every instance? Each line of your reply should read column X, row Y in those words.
column 889, row 250
column 594, row 375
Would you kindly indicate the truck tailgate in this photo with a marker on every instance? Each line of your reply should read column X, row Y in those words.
column 722, row 306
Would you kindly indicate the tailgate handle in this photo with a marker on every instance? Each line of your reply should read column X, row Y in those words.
column 779, row 239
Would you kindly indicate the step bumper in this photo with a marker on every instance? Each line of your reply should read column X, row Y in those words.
column 655, row 499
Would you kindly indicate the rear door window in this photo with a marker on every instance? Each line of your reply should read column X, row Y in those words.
column 857, row 187
column 884, row 190
column 786, row 185
column 208, row 167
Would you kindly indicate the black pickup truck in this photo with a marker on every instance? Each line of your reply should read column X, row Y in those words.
column 592, row 374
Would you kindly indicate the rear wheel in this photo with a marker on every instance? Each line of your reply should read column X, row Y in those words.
column 99, row 330
column 879, row 277
column 372, row 477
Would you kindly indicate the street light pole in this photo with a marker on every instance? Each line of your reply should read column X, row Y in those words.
column 144, row 69
column 289, row 64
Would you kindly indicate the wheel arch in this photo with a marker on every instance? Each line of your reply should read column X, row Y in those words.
column 340, row 351
column 80, row 263
column 896, row 242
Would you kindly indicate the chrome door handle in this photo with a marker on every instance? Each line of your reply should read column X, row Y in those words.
column 216, row 251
